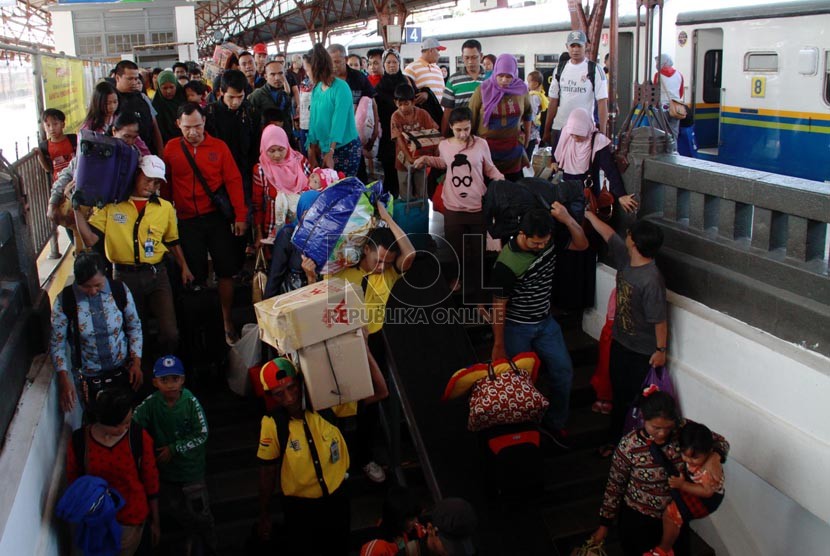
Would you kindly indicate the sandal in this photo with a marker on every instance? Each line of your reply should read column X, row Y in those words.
column 602, row 406
column 605, row 451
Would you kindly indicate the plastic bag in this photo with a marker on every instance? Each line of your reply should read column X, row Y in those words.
column 244, row 355
column 541, row 159
column 334, row 229
column 658, row 376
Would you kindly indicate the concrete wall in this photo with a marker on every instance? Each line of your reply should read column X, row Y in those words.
column 63, row 31
column 186, row 32
column 31, row 465
column 769, row 398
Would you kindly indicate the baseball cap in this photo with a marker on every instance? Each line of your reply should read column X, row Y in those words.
column 431, row 43
column 576, row 37
column 277, row 372
column 168, row 365
column 260, row 48
column 456, row 521
column 152, row 166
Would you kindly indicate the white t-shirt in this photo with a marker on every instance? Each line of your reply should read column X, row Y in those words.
column 576, row 90
column 670, row 88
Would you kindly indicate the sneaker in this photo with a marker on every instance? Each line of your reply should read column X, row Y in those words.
column 559, row 437
column 374, row 472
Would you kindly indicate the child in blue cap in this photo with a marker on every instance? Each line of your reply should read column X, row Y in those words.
column 175, row 419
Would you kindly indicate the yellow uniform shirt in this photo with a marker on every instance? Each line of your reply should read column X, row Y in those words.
column 377, row 293
column 297, row 475
column 126, row 243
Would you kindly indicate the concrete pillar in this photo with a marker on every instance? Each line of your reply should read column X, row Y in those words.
column 63, row 31
column 186, row 32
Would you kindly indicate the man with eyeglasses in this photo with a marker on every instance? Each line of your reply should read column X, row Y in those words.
column 130, row 99
column 522, row 279
column 462, row 84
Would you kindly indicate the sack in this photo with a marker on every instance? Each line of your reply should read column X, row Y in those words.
column 423, row 142
column 590, row 548
column 659, row 376
column 540, row 161
column 678, row 110
column 245, row 354
column 106, row 168
column 505, row 399
column 334, row 229
column 260, row 278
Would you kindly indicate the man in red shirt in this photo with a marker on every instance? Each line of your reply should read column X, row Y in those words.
column 202, row 227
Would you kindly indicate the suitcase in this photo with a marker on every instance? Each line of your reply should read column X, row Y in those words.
column 106, row 168
column 513, row 465
column 201, row 333
column 412, row 215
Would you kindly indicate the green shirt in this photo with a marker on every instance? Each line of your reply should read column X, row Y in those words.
column 183, row 428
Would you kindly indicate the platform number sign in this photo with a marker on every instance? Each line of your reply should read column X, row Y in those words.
column 413, row 35
column 759, row 87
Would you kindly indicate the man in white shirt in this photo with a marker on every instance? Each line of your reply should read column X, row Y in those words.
column 575, row 89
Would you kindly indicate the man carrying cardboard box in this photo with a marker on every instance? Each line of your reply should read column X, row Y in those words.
column 312, row 458
column 386, row 255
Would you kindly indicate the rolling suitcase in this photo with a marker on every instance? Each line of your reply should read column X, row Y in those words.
column 202, row 335
column 412, row 215
column 106, row 168
column 513, row 465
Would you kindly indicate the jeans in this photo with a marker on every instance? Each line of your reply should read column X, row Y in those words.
column 545, row 338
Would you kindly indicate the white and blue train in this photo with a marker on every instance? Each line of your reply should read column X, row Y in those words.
column 758, row 78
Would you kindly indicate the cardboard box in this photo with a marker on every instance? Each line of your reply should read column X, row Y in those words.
column 310, row 315
column 336, row 371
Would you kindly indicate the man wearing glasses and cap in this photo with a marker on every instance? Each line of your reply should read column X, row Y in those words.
column 426, row 72
column 579, row 83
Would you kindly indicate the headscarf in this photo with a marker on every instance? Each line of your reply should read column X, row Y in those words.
column 573, row 156
column 288, row 175
column 665, row 64
column 491, row 93
column 389, row 81
column 168, row 110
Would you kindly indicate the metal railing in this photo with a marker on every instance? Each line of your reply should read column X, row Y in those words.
column 35, row 186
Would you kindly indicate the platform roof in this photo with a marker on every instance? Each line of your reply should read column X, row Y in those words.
column 247, row 22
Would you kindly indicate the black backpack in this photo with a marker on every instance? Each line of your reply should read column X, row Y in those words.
column 136, row 446
column 70, row 309
column 592, row 70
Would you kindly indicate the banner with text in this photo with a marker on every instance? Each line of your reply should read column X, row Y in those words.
column 63, row 88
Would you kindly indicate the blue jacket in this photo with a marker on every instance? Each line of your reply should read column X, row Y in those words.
column 92, row 505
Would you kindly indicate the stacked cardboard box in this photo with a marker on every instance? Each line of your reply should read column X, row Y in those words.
column 322, row 323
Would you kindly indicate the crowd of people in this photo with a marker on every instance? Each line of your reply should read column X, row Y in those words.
column 230, row 168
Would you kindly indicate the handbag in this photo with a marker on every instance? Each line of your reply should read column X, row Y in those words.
column 678, row 110
column 506, row 399
column 602, row 205
column 659, row 376
column 260, row 278
column 220, row 198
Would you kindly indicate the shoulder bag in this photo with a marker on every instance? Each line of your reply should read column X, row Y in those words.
column 220, row 198
column 505, row 399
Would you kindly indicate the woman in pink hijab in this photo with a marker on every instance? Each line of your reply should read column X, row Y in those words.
column 279, row 178
column 581, row 153
column 502, row 115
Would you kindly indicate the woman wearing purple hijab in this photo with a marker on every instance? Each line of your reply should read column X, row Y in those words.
column 502, row 115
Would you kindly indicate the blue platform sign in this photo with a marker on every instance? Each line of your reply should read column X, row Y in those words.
column 412, row 35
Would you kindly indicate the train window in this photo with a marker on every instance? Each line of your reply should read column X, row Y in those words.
column 712, row 63
column 827, row 76
column 761, row 61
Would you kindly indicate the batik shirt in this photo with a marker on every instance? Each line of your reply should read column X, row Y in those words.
column 108, row 339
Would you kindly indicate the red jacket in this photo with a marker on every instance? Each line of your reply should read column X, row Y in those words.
column 216, row 163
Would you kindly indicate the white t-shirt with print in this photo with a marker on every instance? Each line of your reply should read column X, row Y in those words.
column 576, row 90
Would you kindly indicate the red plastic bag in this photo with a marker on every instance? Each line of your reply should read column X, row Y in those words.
column 437, row 199
column 601, row 381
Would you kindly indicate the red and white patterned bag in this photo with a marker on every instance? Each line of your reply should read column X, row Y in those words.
column 505, row 399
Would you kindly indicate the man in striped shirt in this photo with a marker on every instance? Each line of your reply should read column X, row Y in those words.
column 522, row 278
column 426, row 72
column 462, row 84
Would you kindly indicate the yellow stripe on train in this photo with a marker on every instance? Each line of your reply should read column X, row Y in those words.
column 775, row 125
column 778, row 113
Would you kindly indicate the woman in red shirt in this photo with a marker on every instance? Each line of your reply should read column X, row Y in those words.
column 108, row 453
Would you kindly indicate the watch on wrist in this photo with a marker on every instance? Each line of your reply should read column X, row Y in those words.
column 662, row 349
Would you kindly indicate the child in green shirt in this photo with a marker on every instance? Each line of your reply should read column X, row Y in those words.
column 176, row 421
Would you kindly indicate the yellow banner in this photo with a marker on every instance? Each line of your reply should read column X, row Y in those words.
column 63, row 88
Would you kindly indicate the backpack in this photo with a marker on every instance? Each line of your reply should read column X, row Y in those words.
column 70, row 309
column 136, row 446
column 592, row 69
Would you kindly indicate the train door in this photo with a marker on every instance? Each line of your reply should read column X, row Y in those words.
column 625, row 76
column 706, row 90
column 520, row 58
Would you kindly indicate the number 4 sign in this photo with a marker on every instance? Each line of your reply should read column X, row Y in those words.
column 413, row 35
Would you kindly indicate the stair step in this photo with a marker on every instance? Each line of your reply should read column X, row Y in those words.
column 574, row 475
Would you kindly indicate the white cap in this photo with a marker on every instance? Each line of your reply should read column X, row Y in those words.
column 431, row 43
column 152, row 166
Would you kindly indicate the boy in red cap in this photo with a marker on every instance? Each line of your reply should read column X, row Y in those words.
column 260, row 57
column 311, row 456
